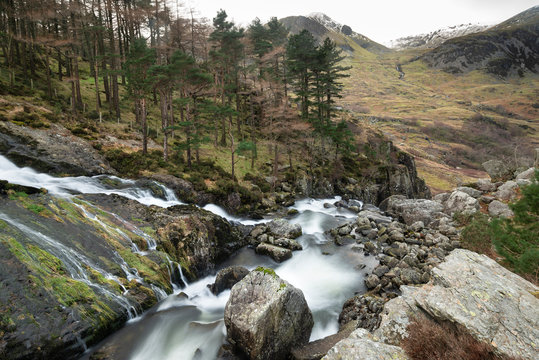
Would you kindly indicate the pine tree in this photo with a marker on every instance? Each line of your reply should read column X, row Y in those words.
column 139, row 82
column 301, row 55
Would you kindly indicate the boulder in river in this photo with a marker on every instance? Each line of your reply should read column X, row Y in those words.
column 277, row 253
column 266, row 317
column 228, row 277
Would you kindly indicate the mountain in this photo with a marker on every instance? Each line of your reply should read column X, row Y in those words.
column 322, row 26
column 435, row 38
column 506, row 49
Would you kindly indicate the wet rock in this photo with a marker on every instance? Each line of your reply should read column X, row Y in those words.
column 286, row 243
column 183, row 189
column 266, row 317
column 54, row 150
column 363, row 223
column 277, row 253
column 283, row 228
column 362, row 310
column 227, row 277
column 362, row 345
column 507, row 191
column 317, row 349
column 460, row 202
column 372, row 281
column 498, row 208
column 380, row 270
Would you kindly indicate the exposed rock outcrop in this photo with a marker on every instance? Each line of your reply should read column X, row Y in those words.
column 54, row 150
column 266, row 317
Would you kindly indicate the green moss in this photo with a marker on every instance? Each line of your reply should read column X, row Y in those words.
column 266, row 271
column 37, row 209
column 148, row 270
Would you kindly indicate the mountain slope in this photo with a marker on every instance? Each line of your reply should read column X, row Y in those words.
column 322, row 26
column 508, row 48
column 435, row 38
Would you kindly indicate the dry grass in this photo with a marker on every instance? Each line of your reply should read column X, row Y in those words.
column 429, row 340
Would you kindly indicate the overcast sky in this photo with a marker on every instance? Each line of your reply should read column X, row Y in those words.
column 380, row 20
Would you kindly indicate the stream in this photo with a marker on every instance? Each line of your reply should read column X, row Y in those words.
column 188, row 324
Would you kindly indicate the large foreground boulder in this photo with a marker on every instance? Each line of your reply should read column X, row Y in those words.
column 493, row 304
column 362, row 345
column 266, row 317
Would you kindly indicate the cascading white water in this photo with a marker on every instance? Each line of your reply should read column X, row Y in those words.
column 187, row 328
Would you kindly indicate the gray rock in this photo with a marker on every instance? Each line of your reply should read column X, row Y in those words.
column 363, row 223
column 277, row 253
column 413, row 210
column 227, row 277
column 485, row 185
column 362, row 345
column 282, row 228
column 486, row 199
column 266, row 317
column 507, row 191
column 417, row 226
column 470, row 191
column 287, row 244
column 498, row 208
column 526, row 175
column 380, row 270
column 523, row 182
column 461, row 202
column 492, row 303
column 372, row 281
column 441, row 198
column 375, row 216
column 498, row 170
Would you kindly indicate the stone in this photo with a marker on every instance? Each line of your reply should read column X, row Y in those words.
column 498, row 170
column 372, row 281
column 460, row 202
column 283, row 228
column 277, row 253
column 507, row 191
column 363, row 223
column 266, row 317
column 317, row 349
column 486, row 199
column 485, row 185
column 526, row 175
column 380, row 270
column 498, row 208
column 470, row 191
column 417, row 226
column 413, row 210
column 287, row 244
column 441, row 198
column 376, row 217
column 492, row 303
column 362, row 345
column 227, row 277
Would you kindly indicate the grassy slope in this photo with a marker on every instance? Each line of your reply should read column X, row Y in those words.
column 429, row 113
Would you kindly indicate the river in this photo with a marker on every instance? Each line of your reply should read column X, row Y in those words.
column 188, row 324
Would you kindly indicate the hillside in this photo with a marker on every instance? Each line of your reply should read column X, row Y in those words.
column 321, row 26
column 435, row 38
column 506, row 49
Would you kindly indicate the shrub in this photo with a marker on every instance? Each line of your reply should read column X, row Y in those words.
column 476, row 234
column 429, row 340
column 517, row 239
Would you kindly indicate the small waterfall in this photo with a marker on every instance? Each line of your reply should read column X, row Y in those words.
column 73, row 261
column 182, row 277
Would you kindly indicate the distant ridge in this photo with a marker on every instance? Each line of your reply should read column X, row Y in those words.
column 509, row 48
column 321, row 26
column 435, row 38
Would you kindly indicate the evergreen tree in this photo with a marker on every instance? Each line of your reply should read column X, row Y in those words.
column 139, row 84
column 301, row 56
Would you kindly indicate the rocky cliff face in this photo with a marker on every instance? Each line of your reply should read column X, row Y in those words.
column 507, row 49
column 54, row 150
column 73, row 272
